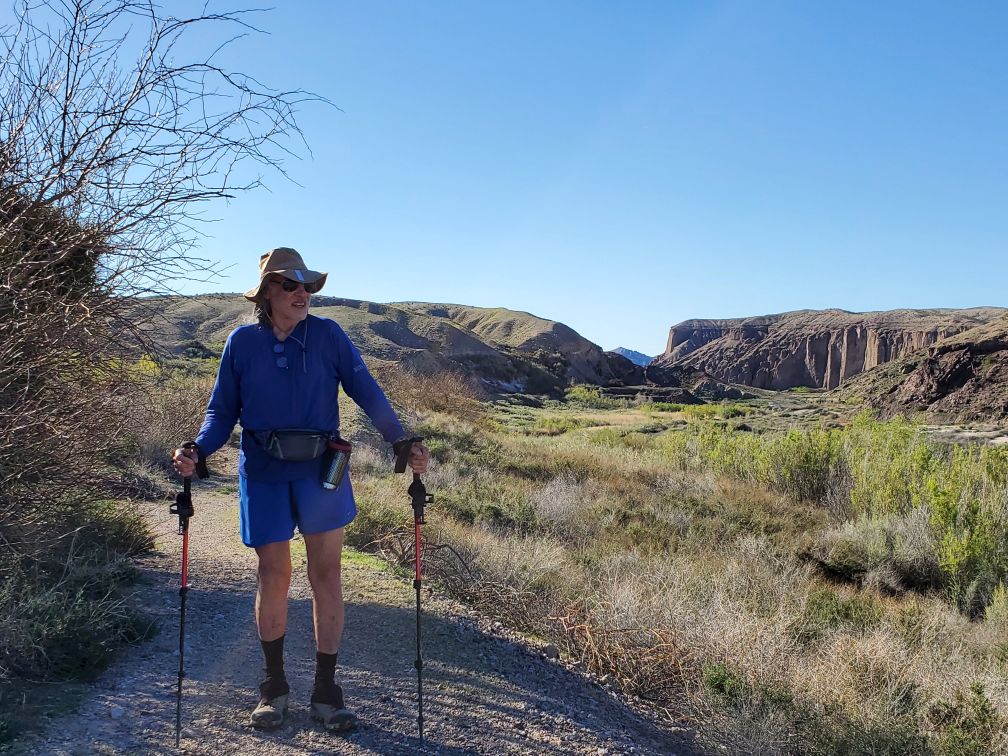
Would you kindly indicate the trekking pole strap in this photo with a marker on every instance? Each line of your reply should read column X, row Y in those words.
column 402, row 449
column 201, row 469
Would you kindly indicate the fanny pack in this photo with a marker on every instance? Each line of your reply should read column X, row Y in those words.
column 293, row 444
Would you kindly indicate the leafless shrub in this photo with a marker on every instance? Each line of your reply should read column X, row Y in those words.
column 165, row 413
column 562, row 504
column 915, row 550
column 109, row 144
column 368, row 460
column 445, row 391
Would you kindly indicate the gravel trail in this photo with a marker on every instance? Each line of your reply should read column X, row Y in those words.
column 485, row 692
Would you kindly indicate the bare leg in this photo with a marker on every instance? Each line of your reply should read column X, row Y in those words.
column 324, row 553
column 274, row 582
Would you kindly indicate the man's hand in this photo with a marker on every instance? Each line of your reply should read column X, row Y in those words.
column 419, row 458
column 184, row 462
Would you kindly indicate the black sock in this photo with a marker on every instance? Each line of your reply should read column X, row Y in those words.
column 325, row 668
column 273, row 652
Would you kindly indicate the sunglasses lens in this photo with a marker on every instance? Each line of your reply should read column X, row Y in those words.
column 291, row 286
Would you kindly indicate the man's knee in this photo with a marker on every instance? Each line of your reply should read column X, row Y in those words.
column 324, row 573
column 274, row 569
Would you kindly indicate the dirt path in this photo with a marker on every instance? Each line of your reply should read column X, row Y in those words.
column 483, row 693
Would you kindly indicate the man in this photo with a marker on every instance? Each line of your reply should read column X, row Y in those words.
column 279, row 378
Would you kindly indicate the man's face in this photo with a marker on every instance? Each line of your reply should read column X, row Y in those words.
column 291, row 306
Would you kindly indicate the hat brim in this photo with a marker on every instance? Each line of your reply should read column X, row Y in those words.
column 298, row 274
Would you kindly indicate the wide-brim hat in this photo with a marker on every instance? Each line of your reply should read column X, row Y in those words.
column 286, row 262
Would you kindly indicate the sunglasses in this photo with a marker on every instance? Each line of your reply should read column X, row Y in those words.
column 291, row 286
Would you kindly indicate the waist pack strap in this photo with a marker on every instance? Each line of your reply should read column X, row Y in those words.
column 292, row 444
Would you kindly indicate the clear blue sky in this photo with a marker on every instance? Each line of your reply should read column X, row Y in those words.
column 623, row 166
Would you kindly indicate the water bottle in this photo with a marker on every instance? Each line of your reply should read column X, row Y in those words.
column 334, row 462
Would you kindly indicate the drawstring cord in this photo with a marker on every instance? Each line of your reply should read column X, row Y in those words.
column 304, row 349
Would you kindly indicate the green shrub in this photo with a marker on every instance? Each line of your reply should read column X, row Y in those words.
column 607, row 437
column 826, row 610
column 723, row 682
column 996, row 612
column 591, row 396
column 940, row 510
column 968, row 725
column 702, row 411
column 64, row 617
column 663, row 407
column 497, row 501
column 557, row 425
column 706, row 411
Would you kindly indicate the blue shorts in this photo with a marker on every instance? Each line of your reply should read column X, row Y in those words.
column 269, row 511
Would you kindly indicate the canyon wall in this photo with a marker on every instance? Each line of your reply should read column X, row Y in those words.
column 814, row 349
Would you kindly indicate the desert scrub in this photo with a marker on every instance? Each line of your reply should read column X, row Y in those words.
column 61, row 611
column 885, row 476
column 670, row 563
column 969, row 725
column 416, row 394
column 662, row 407
column 166, row 408
column 826, row 610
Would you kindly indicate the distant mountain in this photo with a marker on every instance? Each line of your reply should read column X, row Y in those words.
column 505, row 349
column 637, row 358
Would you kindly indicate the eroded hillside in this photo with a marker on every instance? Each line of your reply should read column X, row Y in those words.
column 506, row 349
column 963, row 377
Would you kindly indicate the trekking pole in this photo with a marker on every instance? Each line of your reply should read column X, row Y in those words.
column 418, row 493
column 183, row 507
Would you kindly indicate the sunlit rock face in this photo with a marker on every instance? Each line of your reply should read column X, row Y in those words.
column 810, row 348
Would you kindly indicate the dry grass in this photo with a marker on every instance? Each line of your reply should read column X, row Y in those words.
column 445, row 392
column 687, row 588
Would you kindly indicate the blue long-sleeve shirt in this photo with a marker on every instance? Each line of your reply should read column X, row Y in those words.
column 267, row 385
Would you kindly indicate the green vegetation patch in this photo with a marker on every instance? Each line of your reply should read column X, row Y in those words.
column 591, row 396
column 826, row 610
column 555, row 425
column 707, row 411
column 663, row 407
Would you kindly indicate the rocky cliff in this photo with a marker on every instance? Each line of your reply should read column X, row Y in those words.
column 963, row 377
column 815, row 349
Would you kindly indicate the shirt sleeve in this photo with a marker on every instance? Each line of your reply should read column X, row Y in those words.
column 224, row 406
column 364, row 390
